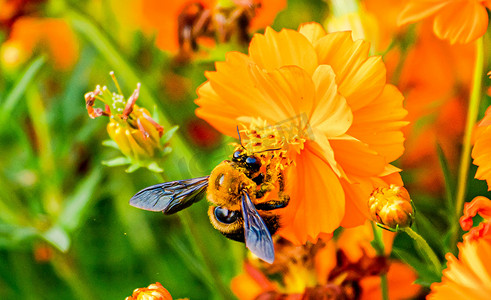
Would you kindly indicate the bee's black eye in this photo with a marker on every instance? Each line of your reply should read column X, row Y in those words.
column 226, row 216
column 237, row 154
column 253, row 163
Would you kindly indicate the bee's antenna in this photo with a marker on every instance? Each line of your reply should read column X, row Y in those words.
column 240, row 139
column 268, row 150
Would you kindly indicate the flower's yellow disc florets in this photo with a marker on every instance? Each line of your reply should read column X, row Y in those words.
column 391, row 206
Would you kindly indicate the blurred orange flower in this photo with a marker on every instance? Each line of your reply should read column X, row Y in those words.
column 155, row 291
column 52, row 35
column 434, row 78
column 346, row 268
column 182, row 24
column 469, row 276
column 458, row 21
column 482, row 149
column 339, row 119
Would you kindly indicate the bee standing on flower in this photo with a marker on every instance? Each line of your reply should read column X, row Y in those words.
column 237, row 192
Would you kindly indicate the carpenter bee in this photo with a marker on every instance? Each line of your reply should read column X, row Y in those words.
column 234, row 189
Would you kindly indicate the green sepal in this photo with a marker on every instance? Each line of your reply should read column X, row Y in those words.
column 110, row 144
column 57, row 237
column 118, row 161
column 168, row 134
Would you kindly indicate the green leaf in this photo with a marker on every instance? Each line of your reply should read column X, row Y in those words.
column 110, row 144
column 449, row 181
column 57, row 237
column 78, row 204
column 118, row 161
column 422, row 268
column 16, row 234
column 20, row 87
column 168, row 134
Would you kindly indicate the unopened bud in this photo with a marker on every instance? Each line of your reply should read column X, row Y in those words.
column 391, row 207
column 155, row 291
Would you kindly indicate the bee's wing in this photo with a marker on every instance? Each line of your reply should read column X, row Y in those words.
column 170, row 197
column 257, row 236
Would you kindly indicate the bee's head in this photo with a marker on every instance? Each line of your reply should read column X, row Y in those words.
column 251, row 163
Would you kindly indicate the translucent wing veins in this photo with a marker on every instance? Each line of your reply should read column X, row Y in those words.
column 170, row 197
column 256, row 234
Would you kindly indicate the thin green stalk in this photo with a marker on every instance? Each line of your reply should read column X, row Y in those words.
column 427, row 251
column 198, row 242
column 51, row 197
column 379, row 246
column 66, row 270
column 472, row 112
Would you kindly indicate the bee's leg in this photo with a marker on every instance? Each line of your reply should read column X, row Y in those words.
column 275, row 204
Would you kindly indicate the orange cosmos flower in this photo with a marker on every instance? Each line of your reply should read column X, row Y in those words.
column 482, row 149
column 48, row 34
column 434, row 79
column 338, row 119
column 469, row 276
column 181, row 25
column 345, row 268
column 458, row 21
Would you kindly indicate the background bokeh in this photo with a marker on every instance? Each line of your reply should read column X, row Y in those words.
column 66, row 229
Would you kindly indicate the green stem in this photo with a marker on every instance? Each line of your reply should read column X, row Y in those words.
column 472, row 112
column 427, row 251
column 379, row 246
column 66, row 270
column 52, row 198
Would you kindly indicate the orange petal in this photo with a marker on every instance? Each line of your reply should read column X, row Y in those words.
column 27, row 31
column 289, row 87
column 316, row 199
column 287, row 47
column 358, row 193
column 313, row 31
column 331, row 113
column 266, row 13
column 324, row 151
column 482, row 156
column 356, row 158
column 379, row 124
column 216, row 111
column 461, row 22
column 417, row 10
column 229, row 91
column 360, row 79
column 479, row 205
column 400, row 279
column 61, row 42
column 467, row 277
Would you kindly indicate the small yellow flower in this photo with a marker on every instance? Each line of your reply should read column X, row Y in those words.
column 130, row 127
column 391, row 207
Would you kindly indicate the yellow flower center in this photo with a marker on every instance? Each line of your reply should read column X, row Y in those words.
column 286, row 136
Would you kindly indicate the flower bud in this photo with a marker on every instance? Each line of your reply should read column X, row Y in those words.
column 391, row 207
column 131, row 128
column 155, row 291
